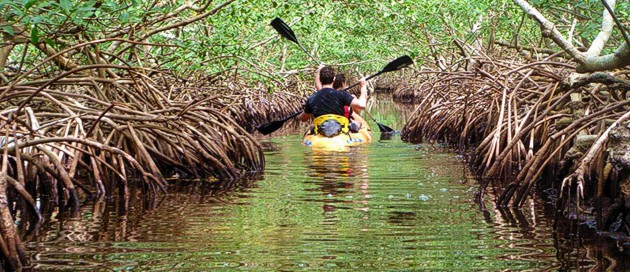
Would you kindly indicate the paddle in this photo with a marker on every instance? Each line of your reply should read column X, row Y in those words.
column 381, row 127
column 286, row 32
column 275, row 125
column 394, row 65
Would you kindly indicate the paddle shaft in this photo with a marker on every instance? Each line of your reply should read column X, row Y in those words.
column 366, row 79
column 370, row 115
column 381, row 127
column 293, row 115
column 309, row 54
column 285, row 31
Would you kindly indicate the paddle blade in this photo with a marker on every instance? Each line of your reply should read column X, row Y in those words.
column 384, row 128
column 397, row 64
column 270, row 127
column 275, row 125
column 284, row 29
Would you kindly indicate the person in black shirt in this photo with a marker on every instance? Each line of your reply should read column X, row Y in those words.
column 356, row 121
column 329, row 103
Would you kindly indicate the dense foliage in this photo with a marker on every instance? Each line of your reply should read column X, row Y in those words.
column 239, row 38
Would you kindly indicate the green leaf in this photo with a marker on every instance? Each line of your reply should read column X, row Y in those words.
column 8, row 30
column 29, row 4
column 17, row 12
column 36, row 20
column 34, row 35
column 124, row 17
column 49, row 42
column 66, row 5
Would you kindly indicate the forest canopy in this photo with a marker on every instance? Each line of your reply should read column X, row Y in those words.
column 182, row 36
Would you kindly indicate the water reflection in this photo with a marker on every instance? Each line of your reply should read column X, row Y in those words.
column 387, row 136
column 339, row 177
column 389, row 206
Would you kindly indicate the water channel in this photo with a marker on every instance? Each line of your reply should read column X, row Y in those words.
column 388, row 206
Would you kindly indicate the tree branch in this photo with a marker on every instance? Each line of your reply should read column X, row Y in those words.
column 604, row 34
column 549, row 30
column 617, row 59
column 588, row 62
column 5, row 51
column 604, row 78
column 189, row 21
column 612, row 14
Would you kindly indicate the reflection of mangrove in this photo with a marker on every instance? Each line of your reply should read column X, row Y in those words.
column 122, row 219
column 83, row 134
column 270, row 146
column 386, row 136
column 517, row 225
column 401, row 218
column 578, row 245
column 526, row 119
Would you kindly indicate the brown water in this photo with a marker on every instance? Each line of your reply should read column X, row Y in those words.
column 390, row 206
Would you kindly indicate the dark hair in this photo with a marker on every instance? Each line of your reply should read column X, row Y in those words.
column 326, row 75
column 340, row 79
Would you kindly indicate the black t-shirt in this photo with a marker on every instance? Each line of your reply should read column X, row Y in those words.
column 328, row 101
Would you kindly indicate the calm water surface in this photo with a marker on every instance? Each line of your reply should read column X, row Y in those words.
column 390, row 206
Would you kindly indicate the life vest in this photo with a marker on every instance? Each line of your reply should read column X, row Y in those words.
column 342, row 120
column 347, row 110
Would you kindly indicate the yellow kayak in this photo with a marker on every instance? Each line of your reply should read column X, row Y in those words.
column 340, row 142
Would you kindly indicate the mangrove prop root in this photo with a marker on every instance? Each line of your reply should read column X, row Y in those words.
column 519, row 116
column 63, row 130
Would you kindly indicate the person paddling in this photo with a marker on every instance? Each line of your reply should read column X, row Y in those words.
column 356, row 121
column 327, row 105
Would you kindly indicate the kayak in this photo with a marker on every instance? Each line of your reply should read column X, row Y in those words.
column 340, row 142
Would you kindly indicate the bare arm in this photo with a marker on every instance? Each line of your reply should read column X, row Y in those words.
column 318, row 84
column 355, row 109
column 361, row 102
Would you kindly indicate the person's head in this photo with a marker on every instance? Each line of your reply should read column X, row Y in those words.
column 327, row 75
column 340, row 82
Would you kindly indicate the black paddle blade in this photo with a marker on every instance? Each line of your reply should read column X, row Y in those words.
column 384, row 128
column 398, row 64
column 275, row 125
column 270, row 127
column 284, row 29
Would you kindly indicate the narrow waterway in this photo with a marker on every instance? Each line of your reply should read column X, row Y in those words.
column 387, row 206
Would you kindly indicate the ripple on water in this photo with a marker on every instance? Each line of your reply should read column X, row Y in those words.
column 390, row 206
